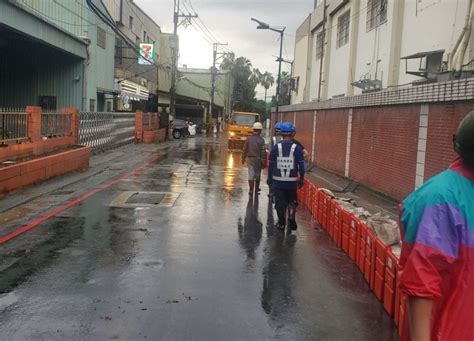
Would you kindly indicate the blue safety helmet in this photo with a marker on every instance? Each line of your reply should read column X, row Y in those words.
column 287, row 128
column 278, row 127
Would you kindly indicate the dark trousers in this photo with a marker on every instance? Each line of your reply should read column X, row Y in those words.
column 285, row 198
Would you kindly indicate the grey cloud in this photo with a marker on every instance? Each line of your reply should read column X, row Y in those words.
column 230, row 21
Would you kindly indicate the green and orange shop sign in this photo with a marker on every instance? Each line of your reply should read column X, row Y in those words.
column 133, row 91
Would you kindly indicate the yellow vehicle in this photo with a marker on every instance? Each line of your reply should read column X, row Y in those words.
column 240, row 127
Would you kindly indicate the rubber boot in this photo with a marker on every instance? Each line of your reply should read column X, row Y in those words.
column 251, row 186
column 281, row 218
column 292, row 218
column 257, row 187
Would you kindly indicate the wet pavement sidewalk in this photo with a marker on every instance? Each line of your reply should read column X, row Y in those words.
column 177, row 250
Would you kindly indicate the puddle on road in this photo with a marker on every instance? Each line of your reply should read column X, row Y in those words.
column 63, row 231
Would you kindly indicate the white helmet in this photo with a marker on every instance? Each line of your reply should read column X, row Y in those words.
column 257, row 126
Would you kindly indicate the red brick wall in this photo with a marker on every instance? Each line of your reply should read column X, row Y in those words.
column 384, row 148
column 442, row 124
column 331, row 139
column 304, row 129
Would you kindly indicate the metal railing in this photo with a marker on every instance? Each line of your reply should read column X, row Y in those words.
column 102, row 131
column 55, row 124
column 13, row 125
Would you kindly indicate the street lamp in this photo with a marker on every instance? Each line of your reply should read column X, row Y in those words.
column 265, row 26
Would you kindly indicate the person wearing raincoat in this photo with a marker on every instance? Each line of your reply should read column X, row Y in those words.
column 437, row 257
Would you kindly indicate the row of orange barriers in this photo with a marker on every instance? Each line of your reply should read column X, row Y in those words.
column 374, row 259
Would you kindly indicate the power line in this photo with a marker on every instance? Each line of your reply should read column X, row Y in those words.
column 203, row 27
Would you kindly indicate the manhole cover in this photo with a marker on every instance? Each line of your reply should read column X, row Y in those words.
column 133, row 199
column 146, row 198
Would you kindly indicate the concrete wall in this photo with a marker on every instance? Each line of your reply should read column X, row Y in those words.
column 339, row 66
column 411, row 27
column 75, row 21
column 51, row 62
column 430, row 25
column 301, row 70
column 373, row 48
column 100, row 68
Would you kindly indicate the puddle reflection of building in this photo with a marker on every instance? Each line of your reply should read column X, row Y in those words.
column 277, row 299
column 250, row 232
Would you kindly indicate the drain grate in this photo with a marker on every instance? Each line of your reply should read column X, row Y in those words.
column 133, row 199
column 146, row 198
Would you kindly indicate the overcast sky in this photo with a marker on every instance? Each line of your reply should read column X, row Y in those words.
column 229, row 21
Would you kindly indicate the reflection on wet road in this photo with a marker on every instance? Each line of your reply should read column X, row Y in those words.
column 208, row 265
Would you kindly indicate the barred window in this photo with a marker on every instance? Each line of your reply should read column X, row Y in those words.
column 319, row 45
column 376, row 13
column 343, row 29
column 92, row 105
column 101, row 37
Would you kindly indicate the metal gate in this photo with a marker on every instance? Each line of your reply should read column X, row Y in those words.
column 105, row 130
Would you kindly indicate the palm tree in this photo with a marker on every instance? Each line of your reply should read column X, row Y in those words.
column 256, row 76
column 267, row 80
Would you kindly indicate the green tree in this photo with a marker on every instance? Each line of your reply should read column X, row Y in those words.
column 285, row 89
column 267, row 80
column 246, row 80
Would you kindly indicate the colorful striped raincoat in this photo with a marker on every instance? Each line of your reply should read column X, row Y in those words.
column 438, row 251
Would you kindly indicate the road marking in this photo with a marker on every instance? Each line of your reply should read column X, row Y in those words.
column 73, row 203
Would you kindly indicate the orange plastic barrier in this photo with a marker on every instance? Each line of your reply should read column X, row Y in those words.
column 369, row 267
column 335, row 217
column 346, row 231
column 374, row 259
column 381, row 251
column 400, row 308
column 390, row 283
column 323, row 210
column 354, row 238
column 315, row 203
column 362, row 242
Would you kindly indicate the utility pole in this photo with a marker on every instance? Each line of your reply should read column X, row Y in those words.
column 174, row 54
column 215, row 56
column 277, row 108
column 323, row 39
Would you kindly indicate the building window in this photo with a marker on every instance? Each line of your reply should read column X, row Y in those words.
column 109, row 106
column 319, row 45
column 130, row 23
column 92, row 105
column 376, row 13
column 343, row 23
column 101, row 37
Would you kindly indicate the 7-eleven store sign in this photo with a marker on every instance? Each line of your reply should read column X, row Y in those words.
column 146, row 53
column 133, row 91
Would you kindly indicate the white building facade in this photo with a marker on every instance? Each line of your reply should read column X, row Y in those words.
column 355, row 46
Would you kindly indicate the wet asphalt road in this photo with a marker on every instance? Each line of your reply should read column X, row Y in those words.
column 196, row 261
